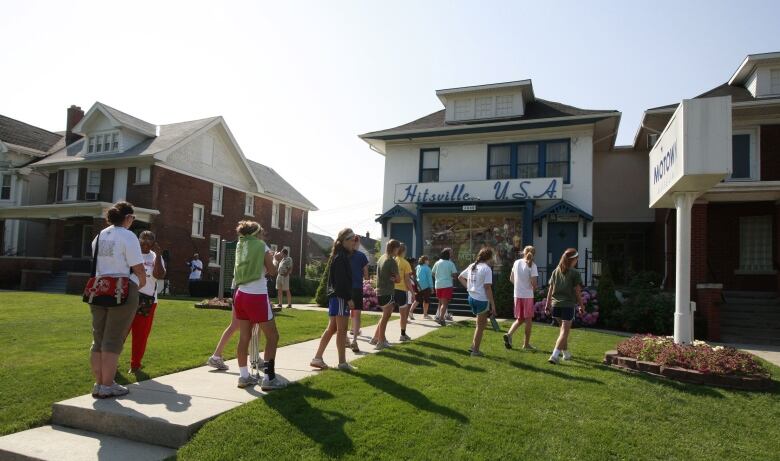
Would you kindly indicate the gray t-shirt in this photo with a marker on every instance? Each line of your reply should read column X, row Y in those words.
column 386, row 268
column 564, row 293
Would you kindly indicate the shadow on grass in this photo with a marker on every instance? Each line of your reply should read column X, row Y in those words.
column 693, row 389
column 551, row 372
column 415, row 360
column 444, row 360
column 411, row 396
column 326, row 428
column 439, row 347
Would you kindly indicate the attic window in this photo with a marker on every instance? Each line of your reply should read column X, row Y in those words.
column 103, row 143
column 503, row 105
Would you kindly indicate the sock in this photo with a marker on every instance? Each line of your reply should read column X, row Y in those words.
column 403, row 332
column 218, row 357
column 244, row 371
column 556, row 353
column 269, row 369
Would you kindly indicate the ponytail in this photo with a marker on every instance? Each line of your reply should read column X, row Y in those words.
column 485, row 254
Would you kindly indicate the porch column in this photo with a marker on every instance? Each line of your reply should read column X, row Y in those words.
column 55, row 234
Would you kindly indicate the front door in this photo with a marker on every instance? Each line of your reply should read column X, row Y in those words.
column 403, row 232
column 560, row 236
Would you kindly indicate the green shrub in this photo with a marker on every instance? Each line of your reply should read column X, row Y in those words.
column 504, row 292
column 649, row 311
column 314, row 270
column 609, row 306
column 301, row 286
column 322, row 290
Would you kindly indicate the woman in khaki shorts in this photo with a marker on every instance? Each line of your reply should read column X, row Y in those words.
column 119, row 253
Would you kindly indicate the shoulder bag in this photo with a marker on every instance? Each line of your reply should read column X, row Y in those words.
column 105, row 291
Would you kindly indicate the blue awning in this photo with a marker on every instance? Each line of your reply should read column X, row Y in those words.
column 396, row 212
column 565, row 208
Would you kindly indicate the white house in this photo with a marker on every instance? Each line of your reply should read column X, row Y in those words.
column 495, row 167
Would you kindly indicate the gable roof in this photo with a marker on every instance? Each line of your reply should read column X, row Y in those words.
column 737, row 93
column 276, row 186
column 22, row 134
column 117, row 118
column 368, row 242
column 324, row 242
column 170, row 135
column 538, row 109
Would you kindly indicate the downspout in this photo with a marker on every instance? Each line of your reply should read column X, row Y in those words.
column 666, row 248
column 300, row 254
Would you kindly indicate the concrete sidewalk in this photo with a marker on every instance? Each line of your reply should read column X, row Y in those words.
column 162, row 414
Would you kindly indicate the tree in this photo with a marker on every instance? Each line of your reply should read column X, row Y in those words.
column 322, row 290
column 609, row 306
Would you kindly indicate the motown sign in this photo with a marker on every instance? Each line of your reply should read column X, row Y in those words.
column 480, row 191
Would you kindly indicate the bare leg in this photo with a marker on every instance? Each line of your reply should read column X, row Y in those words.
column 271, row 339
column 108, row 364
column 444, row 304
column 514, row 327
column 387, row 311
column 341, row 337
column 481, row 322
column 355, row 322
column 563, row 338
column 289, row 297
column 426, row 305
column 326, row 335
column 226, row 335
column 528, row 324
column 404, row 310
column 244, row 336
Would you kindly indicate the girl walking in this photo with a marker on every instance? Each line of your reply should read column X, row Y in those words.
column 478, row 280
column 251, row 304
column 443, row 272
column 425, row 285
column 154, row 267
column 524, row 277
column 564, row 297
column 403, row 290
column 386, row 278
column 339, row 299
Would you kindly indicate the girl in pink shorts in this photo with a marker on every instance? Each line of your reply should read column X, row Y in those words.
column 524, row 277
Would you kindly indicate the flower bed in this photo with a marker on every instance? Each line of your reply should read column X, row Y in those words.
column 370, row 298
column 697, row 363
column 582, row 319
column 216, row 303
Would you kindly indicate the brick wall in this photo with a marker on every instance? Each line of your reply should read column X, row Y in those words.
column 141, row 194
column 699, row 225
column 770, row 152
column 174, row 196
column 11, row 268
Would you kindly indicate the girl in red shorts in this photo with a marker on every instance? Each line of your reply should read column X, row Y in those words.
column 251, row 304
column 524, row 277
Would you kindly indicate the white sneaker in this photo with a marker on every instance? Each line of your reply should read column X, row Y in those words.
column 411, row 316
column 96, row 390
column 427, row 317
column 448, row 316
column 217, row 362
column 114, row 390
column 554, row 360
column 271, row 384
column 318, row 363
column 246, row 382
column 373, row 341
column 566, row 355
column 405, row 338
column 346, row 366
column 382, row 345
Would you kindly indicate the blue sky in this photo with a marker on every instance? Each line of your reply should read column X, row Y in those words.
column 297, row 81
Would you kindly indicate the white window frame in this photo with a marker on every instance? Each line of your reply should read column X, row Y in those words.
column 139, row 177
column 10, row 186
column 755, row 156
column 95, row 187
column 249, row 205
column 275, row 215
column 197, row 225
column 214, row 262
column 274, row 247
column 96, row 142
column 66, row 185
column 288, row 218
column 217, row 195
column 748, row 241
column 91, row 145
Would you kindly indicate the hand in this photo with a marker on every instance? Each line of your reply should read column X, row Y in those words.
column 156, row 248
column 351, row 304
column 493, row 310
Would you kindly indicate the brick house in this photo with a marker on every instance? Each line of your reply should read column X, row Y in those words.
column 189, row 182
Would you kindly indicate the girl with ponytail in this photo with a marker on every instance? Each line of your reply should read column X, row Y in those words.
column 478, row 280
column 524, row 277
column 564, row 297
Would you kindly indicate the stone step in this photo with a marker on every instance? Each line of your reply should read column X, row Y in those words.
column 58, row 443
column 753, row 301
column 751, row 294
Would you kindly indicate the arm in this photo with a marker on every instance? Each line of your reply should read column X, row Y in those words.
column 270, row 267
column 463, row 281
column 159, row 268
column 489, row 293
column 408, row 281
column 512, row 277
column 549, row 297
column 139, row 272
column 365, row 273
column 534, row 283
column 578, row 294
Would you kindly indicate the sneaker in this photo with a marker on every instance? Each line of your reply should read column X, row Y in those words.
column 277, row 309
column 477, row 354
column 278, row 305
column 427, row 317
column 441, row 322
column 246, row 382
column 405, row 338
column 382, row 345
column 318, row 363
column 114, row 390
column 354, row 346
column 289, row 306
column 529, row 348
column 346, row 366
column 554, row 360
column 217, row 362
column 566, row 355
column 133, row 371
column 373, row 341
column 507, row 341
column 272, row 384
column 411, row 316
column 387, row 344
column 96, row 390
column 448, row 316
column 436, row 318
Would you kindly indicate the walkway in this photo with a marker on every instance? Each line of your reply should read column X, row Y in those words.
column 162, row 414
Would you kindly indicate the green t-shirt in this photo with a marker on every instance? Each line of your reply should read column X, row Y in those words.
column 564, row 294
column 386, row 268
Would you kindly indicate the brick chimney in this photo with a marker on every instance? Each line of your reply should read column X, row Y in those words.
column 75, row 114
column 368, row 236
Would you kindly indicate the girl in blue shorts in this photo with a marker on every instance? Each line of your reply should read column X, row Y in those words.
column 339, row 299
column 478, row 280
column 564, row 298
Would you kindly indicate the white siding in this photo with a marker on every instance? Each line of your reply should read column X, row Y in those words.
column 752, row 84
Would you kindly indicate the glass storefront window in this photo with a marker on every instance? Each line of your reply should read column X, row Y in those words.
column 467, row 233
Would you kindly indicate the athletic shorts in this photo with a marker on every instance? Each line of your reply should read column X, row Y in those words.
column 338, row 307
column 384, row 300
column 478, row 307
column 524, row 308
column 563, row 313
column 444, row 293
column 401, row 297
column 357, row 298
column 423, row 296
column 252, row 307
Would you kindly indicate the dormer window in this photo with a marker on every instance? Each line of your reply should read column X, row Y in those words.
column 103, row 143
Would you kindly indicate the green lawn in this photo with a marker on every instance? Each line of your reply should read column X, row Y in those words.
column 45, row 348
column 431, row 400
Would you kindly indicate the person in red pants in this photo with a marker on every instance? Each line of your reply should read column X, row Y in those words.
column 154, row 267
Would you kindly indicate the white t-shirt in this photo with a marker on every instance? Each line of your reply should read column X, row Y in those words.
column 196, row 265
column 523, row 274
column 477, row 280
column 118, row 251
column 150, row 288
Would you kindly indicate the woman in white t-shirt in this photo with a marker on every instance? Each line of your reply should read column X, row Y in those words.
column 478, row 280
column 118, row 254
column 154, row 267
column 524, row 277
